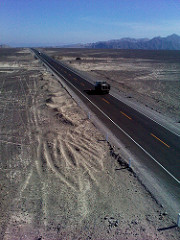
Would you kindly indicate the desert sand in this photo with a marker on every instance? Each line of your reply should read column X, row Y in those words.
column 149, row 77
column 59, row 178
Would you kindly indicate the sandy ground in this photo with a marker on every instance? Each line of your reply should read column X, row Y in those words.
column 147, row 76
column 59, row 178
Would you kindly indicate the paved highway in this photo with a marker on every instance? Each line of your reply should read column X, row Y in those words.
column 160, row 145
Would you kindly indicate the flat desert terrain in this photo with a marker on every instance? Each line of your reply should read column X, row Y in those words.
column 148, row 77
column 59, row 178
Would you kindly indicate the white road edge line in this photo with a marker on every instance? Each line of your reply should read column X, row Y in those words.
column 120, row 100
column 150, row 118
column 123, row 102
column 118, row 127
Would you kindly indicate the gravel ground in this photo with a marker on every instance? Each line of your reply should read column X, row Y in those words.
column 149, row 77
column 59, row 178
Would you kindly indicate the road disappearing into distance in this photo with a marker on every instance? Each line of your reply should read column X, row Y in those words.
column 161, row 145
column 155, row 147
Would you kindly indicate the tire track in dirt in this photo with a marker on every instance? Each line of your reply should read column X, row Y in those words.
column 26, row 182
column 66, row 179
column 2, row 85
column 37, row 165
column 22, row 87
column 70, row 152
column 65, row 152
column 38, row 138
column 6, row 104
column 82, row 198
column 67, row 156
column 15, row 120
column 83, row 140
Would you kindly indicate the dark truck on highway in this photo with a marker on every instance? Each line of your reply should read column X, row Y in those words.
column 102, row 87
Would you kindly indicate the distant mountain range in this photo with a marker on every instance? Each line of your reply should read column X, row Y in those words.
column 171, row 42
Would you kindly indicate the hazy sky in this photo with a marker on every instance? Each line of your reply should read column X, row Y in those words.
column 55, row 22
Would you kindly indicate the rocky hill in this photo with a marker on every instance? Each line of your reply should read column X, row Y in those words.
column 171, row 42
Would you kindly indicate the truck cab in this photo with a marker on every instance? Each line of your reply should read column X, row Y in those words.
column 102, row 87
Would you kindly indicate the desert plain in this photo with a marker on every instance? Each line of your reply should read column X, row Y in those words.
column 58, row 176
column 147, row 76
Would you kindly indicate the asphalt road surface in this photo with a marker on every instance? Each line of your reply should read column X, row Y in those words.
column 156, row 141
column 157, row 147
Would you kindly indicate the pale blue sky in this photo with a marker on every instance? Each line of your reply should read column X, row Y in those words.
column 55, row 22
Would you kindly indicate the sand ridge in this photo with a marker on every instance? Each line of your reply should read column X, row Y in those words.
column 59, row 177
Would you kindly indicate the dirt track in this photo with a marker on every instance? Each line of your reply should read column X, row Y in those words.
column 58, row 175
